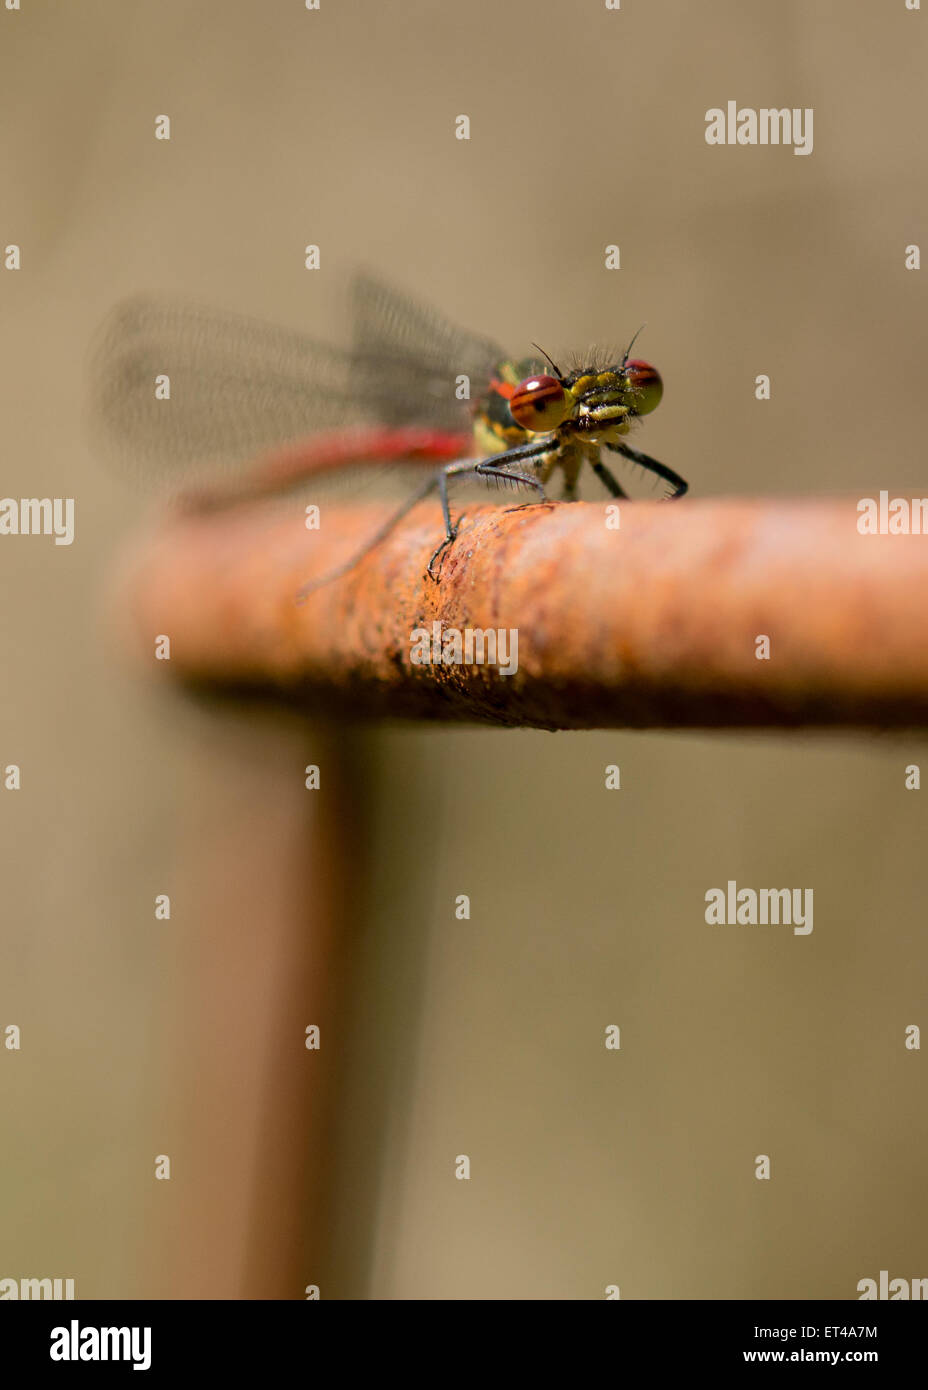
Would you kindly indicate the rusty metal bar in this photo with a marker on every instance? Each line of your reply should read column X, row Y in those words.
column 264, row 878
column 656, row 624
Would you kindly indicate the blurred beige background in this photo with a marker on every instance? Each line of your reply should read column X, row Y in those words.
column 482, row 1037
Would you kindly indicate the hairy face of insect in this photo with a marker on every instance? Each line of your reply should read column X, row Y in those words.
column 607, row 401
column 594, row 404
column 601, row 408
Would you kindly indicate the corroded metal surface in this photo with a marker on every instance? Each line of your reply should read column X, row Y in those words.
column 654, row 624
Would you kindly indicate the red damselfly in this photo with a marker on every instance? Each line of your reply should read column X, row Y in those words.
column 191, row 394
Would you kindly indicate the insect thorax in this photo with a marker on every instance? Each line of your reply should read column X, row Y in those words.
column 494, row 428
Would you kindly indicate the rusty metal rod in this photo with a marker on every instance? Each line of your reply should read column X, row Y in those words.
column 656, row 624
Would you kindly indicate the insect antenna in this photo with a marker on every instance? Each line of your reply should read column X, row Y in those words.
column 557, row 370
column 630, row 346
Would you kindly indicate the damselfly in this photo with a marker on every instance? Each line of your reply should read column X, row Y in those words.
column 186, row 391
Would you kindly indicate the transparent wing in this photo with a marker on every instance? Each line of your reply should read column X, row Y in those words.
column 239, row 387
column 397, row 340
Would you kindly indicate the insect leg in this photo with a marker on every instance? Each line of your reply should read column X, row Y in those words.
column 503, row 465
column 437, row 480
column 451, row 470
column 661, row 469
column 608, row 481
column 486, row 468
column 492, row 471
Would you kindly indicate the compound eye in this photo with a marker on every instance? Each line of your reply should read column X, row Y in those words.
column 646, row 386
column 539, row 403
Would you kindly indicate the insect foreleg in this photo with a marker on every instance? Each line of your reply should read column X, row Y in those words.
column 538, row 456
column 436, row 481
column 451, row 470
column 676, row 482
column 604, row 474
column 486, row 468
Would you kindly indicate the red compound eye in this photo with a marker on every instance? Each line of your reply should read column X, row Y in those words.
column 539, row 403
column 646, row 385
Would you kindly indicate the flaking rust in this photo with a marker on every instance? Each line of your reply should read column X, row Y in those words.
column 655, row 624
